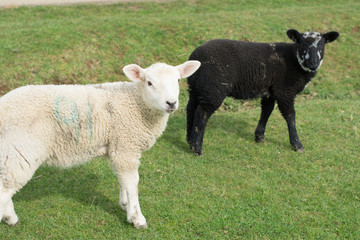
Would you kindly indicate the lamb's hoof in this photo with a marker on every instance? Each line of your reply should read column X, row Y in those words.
column 123, row 206
column 297, row 146
column 197, row 152
column 137, row 226
column 14, row 224
column 260, row 138
column 301, row 150
column 196, row 148
column 139, row 222
column 11, row 221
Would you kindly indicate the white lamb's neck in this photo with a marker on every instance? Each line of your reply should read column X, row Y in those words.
column 155, row 119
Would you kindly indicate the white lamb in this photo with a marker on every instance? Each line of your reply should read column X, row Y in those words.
column 71, row 124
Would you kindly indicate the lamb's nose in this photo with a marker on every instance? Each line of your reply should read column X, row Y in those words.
column 171, row 104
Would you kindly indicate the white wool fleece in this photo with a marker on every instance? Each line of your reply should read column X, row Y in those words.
column 70, row 124
column 78, row 122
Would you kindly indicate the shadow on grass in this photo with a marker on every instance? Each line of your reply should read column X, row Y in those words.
column 74, row 183
column 243, row 126
column 230, row 125
column 176, row 130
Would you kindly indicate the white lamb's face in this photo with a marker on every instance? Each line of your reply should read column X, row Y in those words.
column 162, row 87
column 161, row 83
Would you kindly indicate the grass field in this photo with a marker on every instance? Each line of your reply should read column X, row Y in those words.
column 238, row 189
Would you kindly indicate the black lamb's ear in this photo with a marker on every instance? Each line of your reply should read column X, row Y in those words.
column 294, row 35
column 331, row 36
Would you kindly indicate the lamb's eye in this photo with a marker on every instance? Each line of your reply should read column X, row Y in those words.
column 179, row 80
column 149, row 83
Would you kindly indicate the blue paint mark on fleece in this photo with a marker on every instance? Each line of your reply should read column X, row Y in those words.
column 90, row 122
column 66, row 111
column 70, row 118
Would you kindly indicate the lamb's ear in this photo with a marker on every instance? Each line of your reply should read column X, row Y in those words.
column 331, row 36
column 134, row 73
column 188, row 68
column 294, row 35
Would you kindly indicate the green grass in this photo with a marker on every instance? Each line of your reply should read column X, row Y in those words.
column 238, row 189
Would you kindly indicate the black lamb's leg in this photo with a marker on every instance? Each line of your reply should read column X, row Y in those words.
column 190, row 113
column 200, row 119
column 288, row 111
column 267, row 106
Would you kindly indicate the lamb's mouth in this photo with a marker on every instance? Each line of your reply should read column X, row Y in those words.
column 170, row 110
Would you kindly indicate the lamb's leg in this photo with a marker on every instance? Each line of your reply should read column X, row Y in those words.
column 267, row 106
column 198, row 130
column 130, row 180
column 288, row 112
column 190, row 113
column 9, row 215
column 17, row 169
column 126, row 169
column 123, row 197
column 7, row 212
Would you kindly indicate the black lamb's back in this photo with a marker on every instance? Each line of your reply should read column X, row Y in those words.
column 244, row 70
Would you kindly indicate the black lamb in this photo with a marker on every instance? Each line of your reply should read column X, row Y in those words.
column 247, row 70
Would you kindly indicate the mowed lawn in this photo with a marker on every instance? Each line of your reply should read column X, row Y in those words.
column 238, row 189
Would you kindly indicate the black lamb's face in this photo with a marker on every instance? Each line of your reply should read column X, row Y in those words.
column 310, row 53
